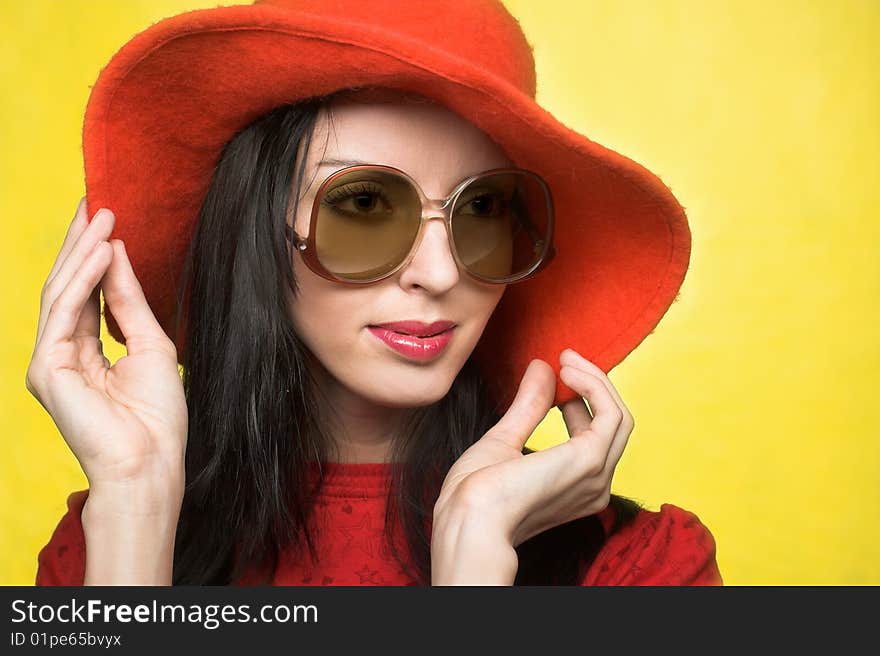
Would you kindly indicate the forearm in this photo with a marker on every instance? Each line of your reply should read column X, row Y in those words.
column 466, row 551
column 130, row 532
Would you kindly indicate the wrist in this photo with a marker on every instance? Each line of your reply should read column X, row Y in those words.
column 116, row 503
column 130, row 533
column 467, row 551
column 149, row 493
column 153, row 472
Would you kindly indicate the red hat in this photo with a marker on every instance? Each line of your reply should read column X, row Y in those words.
column 168, row 101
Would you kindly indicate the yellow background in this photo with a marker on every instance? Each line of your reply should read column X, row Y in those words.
column 755, row 397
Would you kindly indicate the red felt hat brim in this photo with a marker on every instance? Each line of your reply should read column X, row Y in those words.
column 162, row 109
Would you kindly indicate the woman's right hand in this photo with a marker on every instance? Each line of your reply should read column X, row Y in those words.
column 126, row 423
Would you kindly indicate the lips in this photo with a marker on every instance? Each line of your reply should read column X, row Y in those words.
column 416, row 328
column 423, row 342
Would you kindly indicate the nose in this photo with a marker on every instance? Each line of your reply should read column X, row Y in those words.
column 432, row 266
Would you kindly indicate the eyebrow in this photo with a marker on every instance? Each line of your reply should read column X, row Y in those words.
column 332, row 161
column 340, row 162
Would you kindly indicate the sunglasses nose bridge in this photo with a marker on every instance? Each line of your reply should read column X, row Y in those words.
column 435, row 208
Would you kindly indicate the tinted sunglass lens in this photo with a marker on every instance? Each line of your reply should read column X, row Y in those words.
column 367, row 222
column 500, row 224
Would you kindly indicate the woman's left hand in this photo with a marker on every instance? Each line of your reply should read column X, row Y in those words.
column 494, row 487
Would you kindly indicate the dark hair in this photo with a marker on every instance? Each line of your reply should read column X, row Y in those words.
column 255, row 422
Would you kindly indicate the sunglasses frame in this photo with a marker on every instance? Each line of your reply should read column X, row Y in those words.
column 308, row 248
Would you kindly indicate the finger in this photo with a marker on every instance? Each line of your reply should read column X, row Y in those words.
column 81, row 243
column 532, row 402
column 89, row 324
column 125, row 297
column 572, row 357
column 576, row 415
column 77, row 225
column 66, row 309
column 80, row 222
column 618, row 445
column 87, row 332
column 92, row 361
column 607, row 416
column 99, row 229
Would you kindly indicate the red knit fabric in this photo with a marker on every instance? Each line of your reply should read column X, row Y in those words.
column 666, row 547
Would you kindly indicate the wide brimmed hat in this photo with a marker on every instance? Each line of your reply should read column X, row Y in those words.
column 168, row 101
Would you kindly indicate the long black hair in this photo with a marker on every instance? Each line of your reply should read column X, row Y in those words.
column 255, row 420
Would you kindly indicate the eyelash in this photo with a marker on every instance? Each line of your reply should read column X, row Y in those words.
column 345, row 192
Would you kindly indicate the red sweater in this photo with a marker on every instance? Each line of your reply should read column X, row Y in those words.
column 666, row 547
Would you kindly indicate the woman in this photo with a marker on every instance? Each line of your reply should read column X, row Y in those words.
column 345, row 415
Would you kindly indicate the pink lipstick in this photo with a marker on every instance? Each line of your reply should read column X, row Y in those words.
column 415, row 339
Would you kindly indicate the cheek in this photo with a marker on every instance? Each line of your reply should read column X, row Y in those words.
column 325, row 315
column 480, row 306
column 485, row 299
column 472, row 307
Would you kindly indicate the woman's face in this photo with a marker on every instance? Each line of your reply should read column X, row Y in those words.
column 438, row 149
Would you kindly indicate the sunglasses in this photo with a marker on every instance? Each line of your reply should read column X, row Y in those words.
column 366, row 224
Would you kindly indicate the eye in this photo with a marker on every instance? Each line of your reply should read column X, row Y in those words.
column 363, row 201
column 360, row 198
column 487, row 204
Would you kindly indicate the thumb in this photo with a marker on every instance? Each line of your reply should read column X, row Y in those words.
column 125, row 296
column 533, row 400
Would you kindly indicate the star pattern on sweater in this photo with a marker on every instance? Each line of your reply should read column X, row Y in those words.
column 362, row 527
column 366, row 574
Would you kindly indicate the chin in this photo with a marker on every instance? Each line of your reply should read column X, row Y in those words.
column 408, row 390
